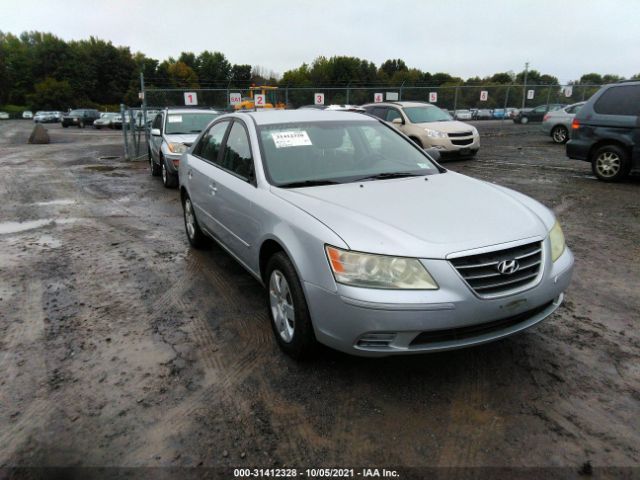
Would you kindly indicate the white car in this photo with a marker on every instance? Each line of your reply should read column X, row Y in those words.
column 4, row 116
column 462, row 115
column 28, row 114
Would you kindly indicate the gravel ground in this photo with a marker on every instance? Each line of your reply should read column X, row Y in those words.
column 120, row 346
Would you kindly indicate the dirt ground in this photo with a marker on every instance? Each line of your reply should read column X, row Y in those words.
column 121, row 346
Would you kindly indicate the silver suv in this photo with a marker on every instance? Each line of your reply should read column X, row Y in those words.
column 362, row 241
column 172, row 132
column 429, row 126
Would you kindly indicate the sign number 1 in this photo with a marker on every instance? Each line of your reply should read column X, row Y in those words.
column 190, row 98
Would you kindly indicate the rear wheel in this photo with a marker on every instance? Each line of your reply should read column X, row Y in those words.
column 560, row 134
column 154, row 168
column 290, row 319
column 169, row 180
column 610, row 163
column 524, row 120
column 195, row 236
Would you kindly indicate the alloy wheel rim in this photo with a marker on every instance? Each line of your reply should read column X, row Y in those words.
column 190, row 218
column 164, row 173
column 282, row 308
column 608, row 164
column 559, row 135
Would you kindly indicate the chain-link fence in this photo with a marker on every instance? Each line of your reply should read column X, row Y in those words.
column 483, row 101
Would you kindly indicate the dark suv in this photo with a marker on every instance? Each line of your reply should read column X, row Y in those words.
column 606, row 131
column 80, row 117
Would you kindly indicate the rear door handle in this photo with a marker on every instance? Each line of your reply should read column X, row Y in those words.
column 213, row 188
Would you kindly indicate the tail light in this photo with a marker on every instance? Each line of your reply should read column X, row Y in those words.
column 575, row 124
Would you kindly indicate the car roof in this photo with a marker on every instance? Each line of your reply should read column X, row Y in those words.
column 402, row 104
column 271, row 116
column 190, row 110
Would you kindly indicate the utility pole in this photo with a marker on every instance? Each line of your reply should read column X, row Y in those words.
column 524, row 87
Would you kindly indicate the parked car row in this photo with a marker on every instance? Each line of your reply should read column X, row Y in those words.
column 346, row 221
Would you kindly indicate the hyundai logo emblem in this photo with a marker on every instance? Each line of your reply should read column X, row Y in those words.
column 507, row 267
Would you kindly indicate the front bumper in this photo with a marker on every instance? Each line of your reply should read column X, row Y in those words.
column 453, row 145
column 173, row 161
column 378, row 323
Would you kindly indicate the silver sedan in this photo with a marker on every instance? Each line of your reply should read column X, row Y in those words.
column 363, row 242
column 557, row 123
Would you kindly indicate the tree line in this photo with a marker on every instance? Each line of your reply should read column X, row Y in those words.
column 41, row 71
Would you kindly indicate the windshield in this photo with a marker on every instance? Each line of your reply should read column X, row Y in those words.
column 426, row 114
column 338, row 152
column 75, row 112
column 183, row 123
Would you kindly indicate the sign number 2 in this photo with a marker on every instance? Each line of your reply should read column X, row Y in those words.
column 260, row 101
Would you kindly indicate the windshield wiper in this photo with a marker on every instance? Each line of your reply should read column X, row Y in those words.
column 386, row 175
column 308, row 183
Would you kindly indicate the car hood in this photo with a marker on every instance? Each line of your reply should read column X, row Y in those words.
column 421, row 218
column 450, row 126
column 187, row 138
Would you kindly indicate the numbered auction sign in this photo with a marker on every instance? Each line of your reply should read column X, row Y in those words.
column 484, row 95
column 433, row 97
column 235, row 98
column 568, row 91
column 261, row 100
column 190, row 98
column 318, row 98
column 530, row 94
column 392, row 96
column 378, row 97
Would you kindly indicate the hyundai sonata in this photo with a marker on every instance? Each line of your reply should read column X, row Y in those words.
column 363, row 242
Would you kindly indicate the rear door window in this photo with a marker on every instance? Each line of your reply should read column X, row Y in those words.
column 237, row 152
column 622, row 100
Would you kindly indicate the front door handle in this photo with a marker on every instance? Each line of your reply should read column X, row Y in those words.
column 190, row 174
column 213, row 188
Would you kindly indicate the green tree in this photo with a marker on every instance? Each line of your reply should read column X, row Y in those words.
column 51, row 94
column 213, row 67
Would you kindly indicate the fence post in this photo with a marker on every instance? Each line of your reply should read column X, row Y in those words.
column 548, row 95
column 584, row 91
column 286, row 96
column 144, row 108
column 348, row 91
column 506, row 102
column 124, row 133
column 400, row 94
column 455, row 100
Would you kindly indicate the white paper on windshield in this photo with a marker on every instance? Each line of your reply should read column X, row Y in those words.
column 174, row 118
column 292, row 138
column 424, row 165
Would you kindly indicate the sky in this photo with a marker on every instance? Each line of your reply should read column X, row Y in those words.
column 564, row 38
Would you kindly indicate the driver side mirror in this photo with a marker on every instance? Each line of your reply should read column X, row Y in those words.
column 156, row 132
column 397, row 121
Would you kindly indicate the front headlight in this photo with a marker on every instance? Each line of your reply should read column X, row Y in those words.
column 435, row 133
column 378, row 271
column 177, row 147
column 556, row 237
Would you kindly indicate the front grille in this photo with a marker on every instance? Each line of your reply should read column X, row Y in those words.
column 482, row 275
column 466, row 141
column 470, row 331
column 460, row 134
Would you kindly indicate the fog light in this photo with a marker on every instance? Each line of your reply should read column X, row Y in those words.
column 376, row 340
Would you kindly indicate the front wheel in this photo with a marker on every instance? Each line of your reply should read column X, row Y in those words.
column 560, row 134
column 169, row 180
column 290, row 319
column 524, row 120
column 610, row 163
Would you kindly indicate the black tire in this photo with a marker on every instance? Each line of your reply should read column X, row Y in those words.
column 154, row 168
column 302, row 343
column 524, row 120
column 196, row 237
column 169, row 180
column 610, row 163
column 560, row 134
